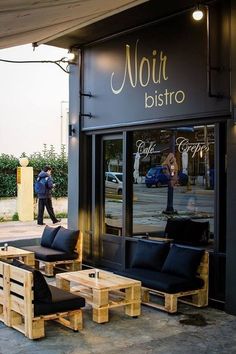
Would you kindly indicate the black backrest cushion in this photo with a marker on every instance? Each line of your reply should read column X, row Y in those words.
column 197, row 230
column 48, row 235
column 175, row 229
column 65, row 240
column 150, row 254
column 182, row 261
column 41, row 289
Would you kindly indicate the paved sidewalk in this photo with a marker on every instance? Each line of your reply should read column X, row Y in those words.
column 191, row 331
column 18, row 230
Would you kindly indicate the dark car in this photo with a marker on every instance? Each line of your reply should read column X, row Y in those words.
column 158, row 176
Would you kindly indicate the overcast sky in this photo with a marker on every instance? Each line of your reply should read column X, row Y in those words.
column 31, row 98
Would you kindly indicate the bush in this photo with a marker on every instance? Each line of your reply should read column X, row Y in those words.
column 8, row 166
column 15, row 217
column 58, row 163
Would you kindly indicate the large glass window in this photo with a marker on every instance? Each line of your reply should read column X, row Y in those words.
column 173, row 174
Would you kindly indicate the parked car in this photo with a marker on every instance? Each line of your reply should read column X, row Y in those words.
column 158, row 176
column 114, row 182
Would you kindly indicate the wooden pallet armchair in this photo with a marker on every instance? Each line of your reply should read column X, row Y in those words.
column 197, row 297
column 22, row 308
column 59, row 247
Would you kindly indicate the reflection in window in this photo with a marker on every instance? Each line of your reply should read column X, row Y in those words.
column 173, row 175
column 113, row 186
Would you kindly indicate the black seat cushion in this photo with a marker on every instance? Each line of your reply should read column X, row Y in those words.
column 50, row 254
column 187, row 231
column 182, row 261
column 175, row 229
column 164, row 282
column 62, row 301
column 150, row 255
column 41, row 290
column 65, row 240
column 48, row 235
column 197, row 231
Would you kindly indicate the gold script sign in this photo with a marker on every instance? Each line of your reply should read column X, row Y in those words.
column 155, row 69
column 147, row 71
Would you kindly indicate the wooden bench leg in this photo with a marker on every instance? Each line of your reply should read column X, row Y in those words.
column 145, row 295
column 171, row 303
column 49, row 269
column 200, row 299
column 36, row 264
column 100, row 315
column 76, row 321
column 31, row 328
column 100, row 305
column 75, row 266
column 132, row 294
column 37, row 330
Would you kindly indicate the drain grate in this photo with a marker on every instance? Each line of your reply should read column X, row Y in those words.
column 193, row 319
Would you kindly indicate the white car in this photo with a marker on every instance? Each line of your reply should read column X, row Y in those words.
column 113, row 182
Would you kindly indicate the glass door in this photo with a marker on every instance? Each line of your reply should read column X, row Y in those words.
column 112, row 155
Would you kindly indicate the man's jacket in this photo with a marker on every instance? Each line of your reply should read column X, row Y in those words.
column 48, row 184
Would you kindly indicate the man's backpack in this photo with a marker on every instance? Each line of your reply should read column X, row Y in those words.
column 41, row 185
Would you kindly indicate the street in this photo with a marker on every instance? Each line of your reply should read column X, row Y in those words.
column 149, row 204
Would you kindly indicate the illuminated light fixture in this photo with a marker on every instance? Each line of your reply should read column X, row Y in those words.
column 71, row 56
column 197, row 14
column 201, row 154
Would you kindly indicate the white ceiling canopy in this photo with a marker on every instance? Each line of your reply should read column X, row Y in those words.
column 32, row 21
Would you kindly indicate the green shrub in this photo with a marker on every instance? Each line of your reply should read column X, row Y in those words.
column 15, row 217
column 61, row 215
column 8, row 166
column 37, row 160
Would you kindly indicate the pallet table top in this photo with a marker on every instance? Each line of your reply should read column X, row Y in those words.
column 106, row 280
column 14, row 252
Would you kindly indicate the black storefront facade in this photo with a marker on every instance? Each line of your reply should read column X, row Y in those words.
column 136, row 97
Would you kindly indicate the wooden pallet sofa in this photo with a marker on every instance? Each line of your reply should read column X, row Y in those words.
column 175, row 273
column 27, row 301
column 58, row 247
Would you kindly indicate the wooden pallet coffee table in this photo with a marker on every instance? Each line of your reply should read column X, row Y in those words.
column 13, row 252
column 106, row 292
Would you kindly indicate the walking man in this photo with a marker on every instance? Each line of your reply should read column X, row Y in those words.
column 43, row 188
